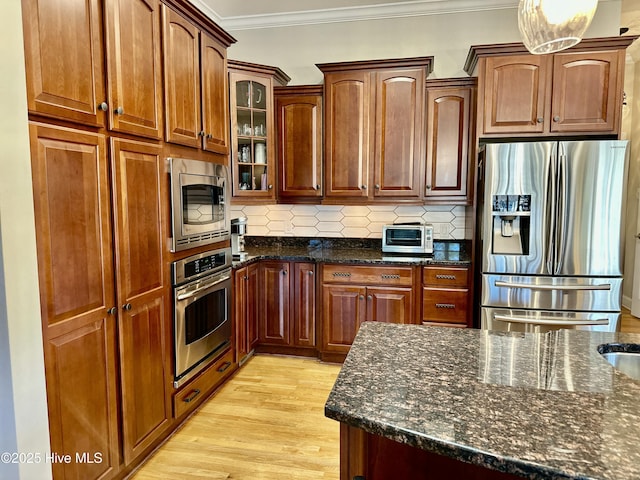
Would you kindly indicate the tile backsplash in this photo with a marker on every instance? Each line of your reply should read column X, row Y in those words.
column 350, row 221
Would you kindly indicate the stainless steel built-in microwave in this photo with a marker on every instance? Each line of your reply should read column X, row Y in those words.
column 409, row 239
column 199, row 203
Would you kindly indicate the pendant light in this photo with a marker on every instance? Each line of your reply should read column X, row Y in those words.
column 548, row 26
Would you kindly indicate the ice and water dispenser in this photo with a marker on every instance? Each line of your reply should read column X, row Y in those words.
column 511, row 223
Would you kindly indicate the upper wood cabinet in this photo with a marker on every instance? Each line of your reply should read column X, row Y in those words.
column 64, row 59
column 577, row 91
column 299, row 141
column 134, row 81
column 374, row 120
column 450, row 123
column 195, row 85
column 253, row 152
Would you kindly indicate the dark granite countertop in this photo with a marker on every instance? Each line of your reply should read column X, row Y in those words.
column 541, row 406
column 342, row 250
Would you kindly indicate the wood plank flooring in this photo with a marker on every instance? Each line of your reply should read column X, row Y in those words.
column 266, row 423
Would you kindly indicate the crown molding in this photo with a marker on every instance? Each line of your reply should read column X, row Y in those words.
column 208, row 11
column 352, row 14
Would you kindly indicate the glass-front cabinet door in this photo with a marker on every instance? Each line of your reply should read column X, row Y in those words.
column 252, row 156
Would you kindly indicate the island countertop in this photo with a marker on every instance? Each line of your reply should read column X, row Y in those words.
column 538, row 406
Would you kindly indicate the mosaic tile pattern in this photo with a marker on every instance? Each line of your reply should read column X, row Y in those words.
column 350, row 221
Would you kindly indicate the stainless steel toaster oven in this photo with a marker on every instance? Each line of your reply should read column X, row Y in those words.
column 408, row 238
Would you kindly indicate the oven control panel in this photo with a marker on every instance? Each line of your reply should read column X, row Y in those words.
column 200, row 265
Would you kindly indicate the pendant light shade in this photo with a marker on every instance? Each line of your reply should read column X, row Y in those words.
column 548, row 26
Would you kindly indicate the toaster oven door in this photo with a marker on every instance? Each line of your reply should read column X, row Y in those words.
column 403, row 239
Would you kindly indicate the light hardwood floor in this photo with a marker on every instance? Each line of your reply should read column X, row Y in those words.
column 267, row 423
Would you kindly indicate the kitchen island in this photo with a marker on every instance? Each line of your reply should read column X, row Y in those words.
column 427, row 402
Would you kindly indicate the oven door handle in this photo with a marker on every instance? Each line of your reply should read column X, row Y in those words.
column 549, row 321
column 204, row 287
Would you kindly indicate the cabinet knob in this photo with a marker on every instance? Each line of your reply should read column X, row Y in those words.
column 119, row 111
column 377, row 185
column 201, row 134
column 539, row 119
column 361, row 297
column 126, row 306
column 284, row 272
column 112, row 311
column 428, row 187
column 209, row 136
column 369, row 297
column 317, row 187
column 245, row 278
column 364, row 187
column 310, row 272
column 556, row 118
column 103, row 106
column 270, row 187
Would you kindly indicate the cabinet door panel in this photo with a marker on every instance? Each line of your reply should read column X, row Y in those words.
column 584, row 92
column 76, row 279
column 181, row 79
column 299, row 120
column 240, row 312
column 447, row 142
column 304, row 305
column 64, row 59
column 215, row 97
column 138, row 193
column 391, row 305
column 445, row 305
column 343, row 310
column 253, row 306
column 515, row 94
column 398, row 140
column 274, row 311
column 133, row 66
column 347, row 100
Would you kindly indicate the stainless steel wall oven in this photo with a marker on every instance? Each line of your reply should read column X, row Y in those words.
column 202, row 310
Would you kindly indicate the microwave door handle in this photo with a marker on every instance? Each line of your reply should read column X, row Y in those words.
column 549, row 321
column 601, row 286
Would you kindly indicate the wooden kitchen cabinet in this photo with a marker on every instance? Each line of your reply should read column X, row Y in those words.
column 134, row 79
column 576, row 91
column 196, row 88
column 253, row 150
column 103, row 295
column 445, row 296
column 77, row 296
column 246, row 310
column 450, row 123
column 64, row 59
column 145, row 356
column 374, row 120
column 287, row 305
column 299, row 142
column 352, row 294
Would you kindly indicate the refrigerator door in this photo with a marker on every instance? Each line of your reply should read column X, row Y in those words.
column 518, row 225
column 591, row 185
column 540, row 321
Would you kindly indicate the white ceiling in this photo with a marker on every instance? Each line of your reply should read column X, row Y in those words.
column 250, row 14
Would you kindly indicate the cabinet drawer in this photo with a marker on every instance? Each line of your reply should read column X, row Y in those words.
column 365, row 275
column 194, row 392
column 444, row 305
column 445, row 276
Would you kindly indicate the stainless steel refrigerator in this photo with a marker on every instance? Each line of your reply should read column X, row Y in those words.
column 551, row 235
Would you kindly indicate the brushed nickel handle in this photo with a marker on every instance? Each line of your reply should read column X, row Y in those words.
column 377, row 185
column 209, row 135
column 119, row 111
column 445, row 277
column 310, row 272
column 112, row 311
column 361, row 297
column 126, row 306
column 387, row 276
column 445, row 305
column 341, row 274
column 103, row 106
column 556, row 118
column 364, row 187
column 539, row 119
column 369, row 297
column 201, row 134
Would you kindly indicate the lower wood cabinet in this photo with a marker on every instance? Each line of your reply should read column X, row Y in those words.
column 287, row 302
column 355, row 294
column 445, row 296
column 245, row 304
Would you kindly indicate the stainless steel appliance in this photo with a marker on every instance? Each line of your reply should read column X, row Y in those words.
column 413, row 238
column 238, row 231
column 551, row 235
column 199, row 199
column 202, row 310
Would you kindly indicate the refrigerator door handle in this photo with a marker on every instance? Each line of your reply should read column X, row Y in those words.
column 531, row 286
column 561, row 212
column 552, row 213
column 549, row 320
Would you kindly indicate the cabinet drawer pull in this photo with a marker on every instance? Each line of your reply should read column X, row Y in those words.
column 388, row 276
column 445, row 277
column 445, row 305
column 191, row 397
column 224, row 366
column 341, row 274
